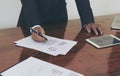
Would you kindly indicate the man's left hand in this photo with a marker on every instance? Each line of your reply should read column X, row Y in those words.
column 96, row 28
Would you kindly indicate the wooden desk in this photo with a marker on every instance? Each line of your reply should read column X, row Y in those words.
column 83, row 58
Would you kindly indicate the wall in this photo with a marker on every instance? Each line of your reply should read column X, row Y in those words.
column 100, row 7
column 9, row 12
column 10, row 9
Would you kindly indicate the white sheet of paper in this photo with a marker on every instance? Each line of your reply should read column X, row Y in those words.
column 36, row 67
column 54, row 46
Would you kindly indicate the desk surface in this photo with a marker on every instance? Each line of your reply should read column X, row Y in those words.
column 83, row 58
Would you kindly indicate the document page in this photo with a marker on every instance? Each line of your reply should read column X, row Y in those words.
column 54, row 46
column 36, row 67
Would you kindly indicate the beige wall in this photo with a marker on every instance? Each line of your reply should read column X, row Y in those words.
column 9, row 12
column 100, row 7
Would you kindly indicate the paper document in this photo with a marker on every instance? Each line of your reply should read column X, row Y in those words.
column 116, row 22
column 36, row 67
column 54, row 46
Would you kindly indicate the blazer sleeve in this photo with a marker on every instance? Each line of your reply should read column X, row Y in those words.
column 30, row 12
column 85, row 11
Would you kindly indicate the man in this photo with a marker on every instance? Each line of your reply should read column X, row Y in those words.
column 39, row 13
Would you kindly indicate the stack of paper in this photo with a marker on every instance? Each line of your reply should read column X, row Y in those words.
column 35, row 67
column 116, row 22
column 54, row 46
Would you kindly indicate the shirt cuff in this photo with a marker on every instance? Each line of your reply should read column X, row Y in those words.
column 84, row 25
column 34, row 27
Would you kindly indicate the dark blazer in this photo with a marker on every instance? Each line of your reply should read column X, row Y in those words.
column 44, row 12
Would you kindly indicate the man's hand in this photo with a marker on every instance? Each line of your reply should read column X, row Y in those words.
column 36, row 37
column 96, row 28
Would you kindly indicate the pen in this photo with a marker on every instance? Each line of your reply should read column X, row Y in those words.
column 35, row 31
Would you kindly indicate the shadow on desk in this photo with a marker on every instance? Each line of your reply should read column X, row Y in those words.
column 58, row 60
column 114, row 60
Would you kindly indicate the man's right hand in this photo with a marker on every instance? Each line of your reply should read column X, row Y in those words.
column 36, row 37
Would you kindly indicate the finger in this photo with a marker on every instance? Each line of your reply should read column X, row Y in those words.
column 94, row 28
column 37, row 38
column 95, row 31
column 88, row 29
column 101, row 30
column 41, row 30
